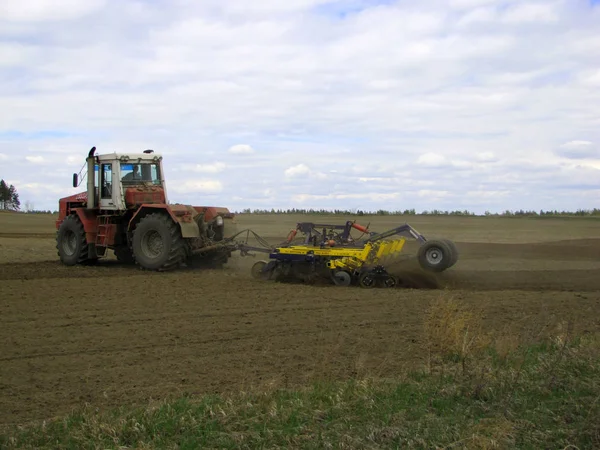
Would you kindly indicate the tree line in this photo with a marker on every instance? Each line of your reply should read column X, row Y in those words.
column 9, row 198
column 412, row 212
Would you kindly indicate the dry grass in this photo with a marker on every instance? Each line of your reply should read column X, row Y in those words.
column 454, row 333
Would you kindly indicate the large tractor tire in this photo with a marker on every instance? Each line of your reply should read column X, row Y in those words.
column 157, row 243
column 71, row 242
column 435, row 256
column 124, row 255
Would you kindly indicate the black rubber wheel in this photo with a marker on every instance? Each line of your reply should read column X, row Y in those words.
column 124, row 255
column 367, row 280
column 389, row 282
column 157, row 243
column 341, row 278
column 454, row 250
column 435, row 256
column 71, row 242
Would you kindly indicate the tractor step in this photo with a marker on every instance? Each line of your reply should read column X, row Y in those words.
column 104, row 223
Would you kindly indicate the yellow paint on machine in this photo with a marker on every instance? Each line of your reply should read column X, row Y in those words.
column 345, row 258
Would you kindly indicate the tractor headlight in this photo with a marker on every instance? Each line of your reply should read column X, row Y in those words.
column 219, row 221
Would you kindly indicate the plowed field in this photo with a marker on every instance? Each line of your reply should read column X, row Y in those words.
column 111, row 335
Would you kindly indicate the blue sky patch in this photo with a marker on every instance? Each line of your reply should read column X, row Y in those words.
column 341, row 9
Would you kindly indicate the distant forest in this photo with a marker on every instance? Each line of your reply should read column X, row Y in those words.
column 412, row 212
column 407, row 212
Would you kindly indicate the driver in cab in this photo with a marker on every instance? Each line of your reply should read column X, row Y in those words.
column 133, row 176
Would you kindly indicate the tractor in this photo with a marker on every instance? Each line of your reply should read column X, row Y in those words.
column 125, row 209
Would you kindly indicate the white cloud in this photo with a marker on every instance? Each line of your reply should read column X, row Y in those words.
column 210, row 168
column 39, row 188
column 432, row 160
column 531, row 12
column 374, row 196
column 75, row 160
column 35, row 159
column 42, row 10
column 196, row 186
column 3, row 157
column 303, row 171
column 468, row 4
column 578, row 149
column 297, row 171
column 590, row 77
column 454, row 101
column 432, row 193
column 479, row 15
column 486, row 157
column 241, row 149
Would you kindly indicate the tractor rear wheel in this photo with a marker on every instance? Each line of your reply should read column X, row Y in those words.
column 157, row 243
column 71, row 242
column 124, row 255
column 435, row 256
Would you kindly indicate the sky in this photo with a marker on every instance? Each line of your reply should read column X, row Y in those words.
column 484, row 105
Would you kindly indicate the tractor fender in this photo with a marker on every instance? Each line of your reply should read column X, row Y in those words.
column 210, row 212
column 183, row 215
column 89, row 220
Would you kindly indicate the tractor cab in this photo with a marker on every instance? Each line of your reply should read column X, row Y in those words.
column 124, row 181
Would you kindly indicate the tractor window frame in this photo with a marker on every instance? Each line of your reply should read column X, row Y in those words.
column 106, row 181
column 149, row 173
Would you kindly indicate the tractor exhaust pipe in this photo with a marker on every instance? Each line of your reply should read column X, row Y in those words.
column 91, row 188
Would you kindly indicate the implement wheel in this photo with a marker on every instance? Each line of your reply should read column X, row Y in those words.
column 454, row 250
column 435, row 256
column 258, row 272
column 342, row 278
column 389, row 282
column 367, row 280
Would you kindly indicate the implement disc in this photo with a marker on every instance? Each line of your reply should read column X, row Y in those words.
column 257, row 270
column 342, row 278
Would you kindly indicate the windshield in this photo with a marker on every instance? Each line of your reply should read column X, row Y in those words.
column 140, row 172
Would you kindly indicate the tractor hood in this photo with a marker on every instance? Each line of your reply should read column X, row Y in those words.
column 80, row 197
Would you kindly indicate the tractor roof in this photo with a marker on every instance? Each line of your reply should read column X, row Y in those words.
column 130, row 156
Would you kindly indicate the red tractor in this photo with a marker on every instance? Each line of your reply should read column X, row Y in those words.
column 125, row 208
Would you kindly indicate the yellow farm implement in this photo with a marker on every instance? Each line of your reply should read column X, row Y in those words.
column 333, row 253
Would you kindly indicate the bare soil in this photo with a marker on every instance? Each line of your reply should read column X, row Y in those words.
column 112, row 335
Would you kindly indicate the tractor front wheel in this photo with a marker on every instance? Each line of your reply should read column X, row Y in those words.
column 157, row 243
column 71, row 242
